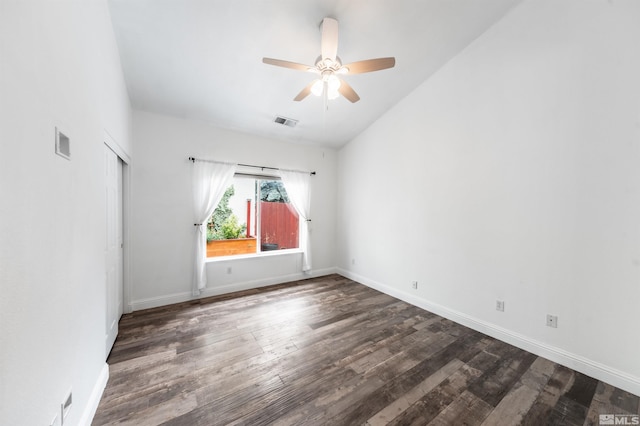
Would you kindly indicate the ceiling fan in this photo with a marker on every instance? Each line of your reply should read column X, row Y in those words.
column 329, row 67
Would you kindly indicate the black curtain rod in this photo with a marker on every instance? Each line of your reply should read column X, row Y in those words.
column 257, row 167
column 193, row 160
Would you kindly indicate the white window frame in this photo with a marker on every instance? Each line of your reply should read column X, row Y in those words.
column 259, row 253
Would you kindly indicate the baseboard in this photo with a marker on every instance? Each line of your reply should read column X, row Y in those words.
column 155, row 302
column 576, row 362
column 94, row 399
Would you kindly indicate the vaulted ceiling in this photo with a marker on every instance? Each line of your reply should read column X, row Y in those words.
column 202, row 59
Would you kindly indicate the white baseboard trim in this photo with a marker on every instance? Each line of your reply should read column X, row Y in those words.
column 576, row 362
column 94, row 399
column 170, row 299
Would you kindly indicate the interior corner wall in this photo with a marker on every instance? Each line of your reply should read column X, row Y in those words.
column 513, row 174
column 162, row 219
column 59, row 67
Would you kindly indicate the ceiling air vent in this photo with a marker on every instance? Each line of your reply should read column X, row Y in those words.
column 286, row 121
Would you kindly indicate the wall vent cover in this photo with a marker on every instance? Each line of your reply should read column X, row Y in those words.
column 63, row 144
column 286, row 121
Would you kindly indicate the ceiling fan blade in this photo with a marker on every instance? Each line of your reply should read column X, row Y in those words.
column 348, row 92
column 369, row 65
column 304, row 92
column 287, row 64
column 329, row 43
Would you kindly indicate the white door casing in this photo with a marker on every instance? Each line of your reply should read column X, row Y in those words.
column 114, row 245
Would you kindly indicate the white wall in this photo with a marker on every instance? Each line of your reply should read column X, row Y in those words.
column 518, row 168
column 59, row 66
column 162, row 208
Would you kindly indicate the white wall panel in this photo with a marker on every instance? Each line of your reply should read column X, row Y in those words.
column 513, row 174
column 162, row 207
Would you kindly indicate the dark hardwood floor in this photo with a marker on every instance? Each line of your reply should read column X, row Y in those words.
column 329, row 351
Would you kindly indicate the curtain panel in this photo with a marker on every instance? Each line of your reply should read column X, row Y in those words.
column 298, row 186
column 209, row 181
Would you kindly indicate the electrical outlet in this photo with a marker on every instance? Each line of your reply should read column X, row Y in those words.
column 500, row 305
column 552, row 321
column 414, row 284
column 353, row 261
column 228, row 269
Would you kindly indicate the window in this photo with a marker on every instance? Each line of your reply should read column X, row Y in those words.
column 253, row 216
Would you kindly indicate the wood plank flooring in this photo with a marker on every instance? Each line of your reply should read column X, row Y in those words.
column 329, row 351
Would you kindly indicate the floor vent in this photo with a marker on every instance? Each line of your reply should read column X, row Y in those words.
column 286, row 121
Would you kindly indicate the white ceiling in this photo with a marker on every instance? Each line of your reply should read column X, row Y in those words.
column 202, row 59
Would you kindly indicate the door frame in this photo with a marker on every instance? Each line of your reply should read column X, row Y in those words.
column 110, row 142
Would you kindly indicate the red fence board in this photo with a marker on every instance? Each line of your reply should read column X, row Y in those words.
column 278, row 225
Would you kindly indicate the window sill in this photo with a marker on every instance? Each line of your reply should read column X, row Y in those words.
column 253, row 255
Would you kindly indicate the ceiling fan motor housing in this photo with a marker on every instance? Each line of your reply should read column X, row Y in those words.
column 328, row 64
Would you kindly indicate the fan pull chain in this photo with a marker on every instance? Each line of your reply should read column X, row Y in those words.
column 325, row 108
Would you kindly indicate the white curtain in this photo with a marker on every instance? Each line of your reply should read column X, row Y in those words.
column 298, row 186
column 210, row 180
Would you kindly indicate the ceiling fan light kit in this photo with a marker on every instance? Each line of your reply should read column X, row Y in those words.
column 328, row 66
column 317, row 88
column 328, row 84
